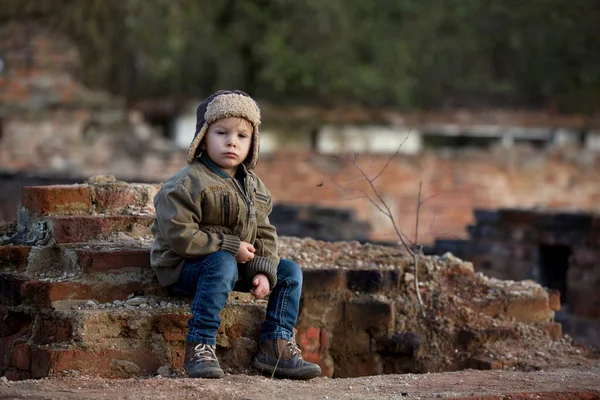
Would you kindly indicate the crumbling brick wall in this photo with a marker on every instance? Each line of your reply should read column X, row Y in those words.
column 77, row 293
column 559, row 249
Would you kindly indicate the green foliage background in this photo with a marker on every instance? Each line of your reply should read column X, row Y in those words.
column 421, row 54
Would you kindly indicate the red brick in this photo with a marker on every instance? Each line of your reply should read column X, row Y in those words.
column 20, row 357
column 57, row 200
column 113, row 260
column 42, row 294
column 48, row 360
column 529, row 309
column 86, row 228
column 554, row 299
column 554, row 329
column 309, row 340
column 14, row 257
column 173, row 326
column 112, row 198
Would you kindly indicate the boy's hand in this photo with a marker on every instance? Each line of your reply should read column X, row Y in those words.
column 246, row 253
column 261, row 286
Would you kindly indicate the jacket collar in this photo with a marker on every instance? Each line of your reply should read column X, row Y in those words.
column 205, row 159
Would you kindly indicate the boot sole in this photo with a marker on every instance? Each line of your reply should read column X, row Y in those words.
column 300, row 374
column 213, row 373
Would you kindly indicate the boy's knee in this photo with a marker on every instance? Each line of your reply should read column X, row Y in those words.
column 226, row 265
column 290, row 271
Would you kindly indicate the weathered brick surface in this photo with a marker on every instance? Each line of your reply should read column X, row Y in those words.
column 113, row 260
column 108, row 363
column 14, row 258
column 323, row 283
column 57, row 200
column 44, row 293
column 86, row 228
column 370, row 315
column 528, row 309
column 554, row 329
column 114, row 198
column 373, row 281
column 10, row 289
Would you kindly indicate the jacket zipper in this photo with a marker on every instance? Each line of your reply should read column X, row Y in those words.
column 251, row 213
column 226, row 210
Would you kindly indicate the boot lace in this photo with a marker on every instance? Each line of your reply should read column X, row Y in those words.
column 294, row 349
column 204, row 353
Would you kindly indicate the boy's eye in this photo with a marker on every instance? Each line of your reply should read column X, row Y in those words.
column 243, row 135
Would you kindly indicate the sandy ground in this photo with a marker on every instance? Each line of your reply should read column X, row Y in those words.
column 562, row 383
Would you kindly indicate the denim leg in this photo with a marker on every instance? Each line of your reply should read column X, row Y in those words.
column 284, row 303
column 209, row 279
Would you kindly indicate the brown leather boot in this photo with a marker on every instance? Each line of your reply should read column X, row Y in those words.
column 282, row 358
column 201, row 361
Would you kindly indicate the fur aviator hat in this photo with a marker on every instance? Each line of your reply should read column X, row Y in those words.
column 223, row 104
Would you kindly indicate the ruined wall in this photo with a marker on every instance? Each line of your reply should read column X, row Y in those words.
column 560, row 250
column 77, row 294
column 454, row 184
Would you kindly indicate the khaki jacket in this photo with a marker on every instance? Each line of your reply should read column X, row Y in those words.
column 201, row 210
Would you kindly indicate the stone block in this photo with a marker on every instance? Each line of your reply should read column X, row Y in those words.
column 57, row 199
column 114, row 198
column 86, row 228
column 239, row 321
column 52, row 328
column 372, row 280
column 14, row 258
column 113, row 260
column 370, row 315
column 529, row 309
column 173, row 327
column 323, row 283
column 320, row 312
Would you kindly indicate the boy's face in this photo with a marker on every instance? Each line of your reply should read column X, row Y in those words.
column 228, row 142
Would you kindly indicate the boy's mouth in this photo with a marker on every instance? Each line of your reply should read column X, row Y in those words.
column 229, row 154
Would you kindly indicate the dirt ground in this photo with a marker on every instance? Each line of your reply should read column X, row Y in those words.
column 581, row 382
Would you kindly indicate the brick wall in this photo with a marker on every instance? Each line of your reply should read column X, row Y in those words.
column 561, row 250
column 453, row 183
column 74, row 298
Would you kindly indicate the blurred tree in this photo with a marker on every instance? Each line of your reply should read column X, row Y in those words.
column 409, row 53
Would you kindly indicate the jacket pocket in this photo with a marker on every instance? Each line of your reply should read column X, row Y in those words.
column 262, row 201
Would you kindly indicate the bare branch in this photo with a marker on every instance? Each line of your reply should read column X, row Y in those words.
column 391, row 157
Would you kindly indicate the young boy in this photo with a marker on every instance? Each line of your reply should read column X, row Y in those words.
column 212, row 235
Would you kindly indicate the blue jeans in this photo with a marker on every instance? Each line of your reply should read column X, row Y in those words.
column 209, row 280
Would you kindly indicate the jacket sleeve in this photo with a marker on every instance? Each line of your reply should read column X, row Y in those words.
column 266, row 257
column 178, row 216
